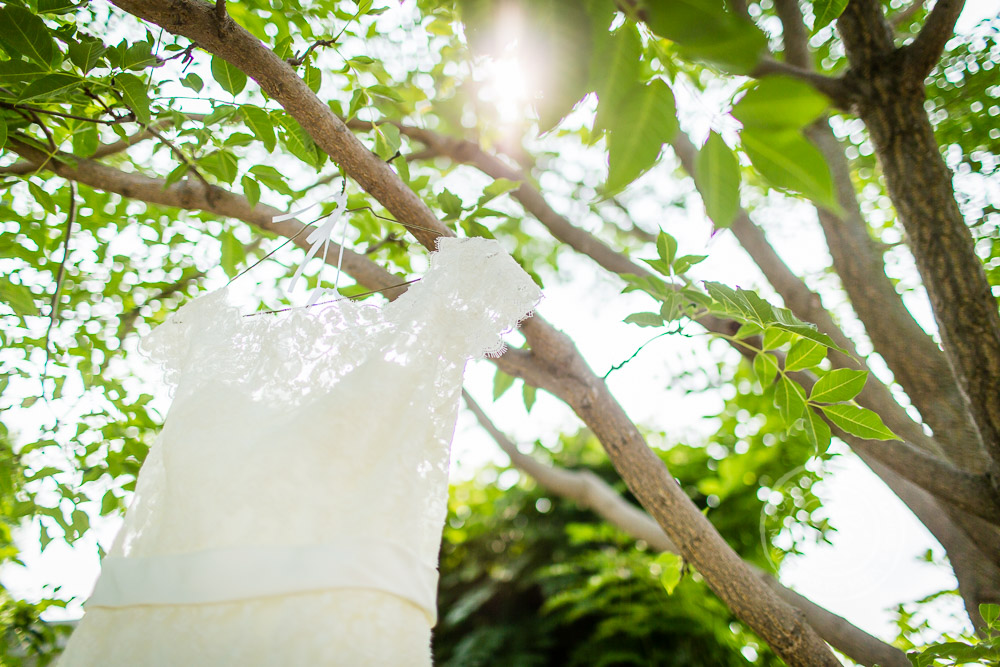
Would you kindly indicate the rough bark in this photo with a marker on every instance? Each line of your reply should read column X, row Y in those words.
column 916, row 362
column 889, row 97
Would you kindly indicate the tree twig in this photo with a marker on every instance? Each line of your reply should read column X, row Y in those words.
column 60, row 274
column 60, row 114
column 923, row 53
column 298, row 60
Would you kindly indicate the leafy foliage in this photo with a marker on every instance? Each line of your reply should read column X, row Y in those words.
column 530, row 579
column 24, row 638
column 766, row 331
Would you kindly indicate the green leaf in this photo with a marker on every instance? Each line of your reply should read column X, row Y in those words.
column 18, row 297
column 747, row 329
column 838, row 385
column 55, row 6
column 671, row 570
column 230, row 77
column 261, row 124
column 359, row 99
column 19, row 71
column 758, row 310
column 496, row 188
column 501, row 383
column 790, row 400
column 109, row 503
column 858, row 421
column 43, row 198
column 50, row 85
column 727, row 297
column 789, row 161
column 251, row 189
column 193, row 81
column 717, row 176
column 672, row 307
column 402, row 168
column 387, row 140
column 775, row 338
column 817, row 431
column 645, row 120
column 385, row 91
column 218, row 114
column 221, row 164
column 86, row 53
column 313, row 78
column 85, row 140
column 614, row 69
column 990, row 613
column 780, row 103
column 707, row 32
column 685, row 262
column 450, row 204
column 139, row 56
column 826, row 11
column 233, row 254
column 645, row 319
column 272, row 178
column 3, row 132
column 133, row 89
column 528, row 396
column 238, row 139
column 26, row 34
column 784, row 319
column 297, row 140
column 804, row 354
column 176, row 174
column 666, row 247
column 765, row 368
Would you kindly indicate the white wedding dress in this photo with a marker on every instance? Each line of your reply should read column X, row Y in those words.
column 290, row 512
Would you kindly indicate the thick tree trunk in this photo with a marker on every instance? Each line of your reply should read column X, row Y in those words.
column 920, row 186
column 889, row 95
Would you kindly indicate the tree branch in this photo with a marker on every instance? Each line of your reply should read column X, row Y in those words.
column 22, row 167
column 923, row 53
column 195, row 195
column 591, row 492
column 834, row 88
column 866, row 34
column 794, row 36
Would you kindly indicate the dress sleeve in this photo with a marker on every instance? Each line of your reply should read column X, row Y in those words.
column 483, row 291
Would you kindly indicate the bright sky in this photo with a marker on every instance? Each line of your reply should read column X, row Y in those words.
column 872, row 564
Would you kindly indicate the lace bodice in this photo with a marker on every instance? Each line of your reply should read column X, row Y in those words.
column 307, row 451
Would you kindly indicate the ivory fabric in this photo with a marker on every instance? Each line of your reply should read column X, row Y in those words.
column 290, row 512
